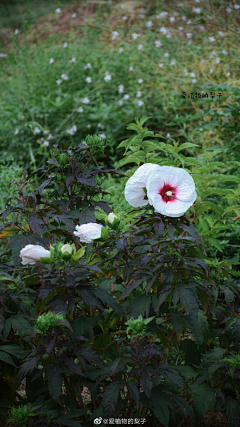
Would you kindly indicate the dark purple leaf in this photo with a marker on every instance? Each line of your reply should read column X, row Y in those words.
column 35, row 224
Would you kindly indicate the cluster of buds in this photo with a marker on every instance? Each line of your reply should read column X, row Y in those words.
column 137, row 327
column 48, row 320
column 95, row 142
column 20, row 415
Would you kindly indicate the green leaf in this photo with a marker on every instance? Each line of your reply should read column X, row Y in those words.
column 132, row 158
column 186, row 145
column 143, row 120
column 203, row 399
column 215, row 243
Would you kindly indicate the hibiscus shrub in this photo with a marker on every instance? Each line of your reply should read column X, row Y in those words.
column 129, row 309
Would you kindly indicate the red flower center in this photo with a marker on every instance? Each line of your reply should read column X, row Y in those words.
column 168, row 193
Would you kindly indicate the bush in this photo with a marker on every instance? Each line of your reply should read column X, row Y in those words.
column 140, row 316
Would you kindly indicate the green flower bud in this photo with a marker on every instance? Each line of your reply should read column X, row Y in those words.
column 104, row 233
column 47, row 320
column 20, row 414
column 63, row 159
column 112, row 221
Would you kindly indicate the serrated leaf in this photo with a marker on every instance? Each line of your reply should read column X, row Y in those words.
column 186, row 145
column 133, row 390
column 146, row 383
column 160, row 405
column 215, row 243
column 110, row 398
column 204, row 397
column 132, row 158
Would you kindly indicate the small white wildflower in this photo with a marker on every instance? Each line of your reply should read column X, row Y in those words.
column 140, row 103
column 192, row 74
column 36, row 130
column 58, row 10
column 80, row 110
column 138, row 94
column 50, row 136
column 16, row 31
column 72, row 130
column 88, row 80
column 46, row 132
column 163, row 30
column 88, row 126
column 197, row 1
column 120, row 50
column 74, row 15
column 141, row 15
column 180, row 28
column 73, row 59
column 99, row 125
column 197, row 10
column 3, row 55
column 228, row 9
column 124, row 18
column 87, row 66
column 135, row 36
column 51, row 61
column 149, row 24
column 189, row 35
column 16, row 131
column 85, row 100
column 236, row 6
column 185, row 72
column 173, row 62
column 161, row 15
column 120, row 102
column 120, row 89
column 211, row 39
column 140, row 80
column 211, row 70
column 168, row 36
column 160, row 65
column 126, row 96
column 202, row 61
column 189, row 22
column 220, row 33
column 172, row 19
column 122, row 6
column 102, row 135
column 166, row 55
column 45, row 143
column 107, row 77
column 140, row 47
column 224, row 51
column 130, row 68
column 184, row 18
column 115, row 34
column 194, row 80
column 228, row 74
column 168, row 135
column 217, row 60
column 158, row 43
column 64, row 76
column 65, row 44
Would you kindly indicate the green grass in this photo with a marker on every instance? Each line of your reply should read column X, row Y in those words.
column 196, row 58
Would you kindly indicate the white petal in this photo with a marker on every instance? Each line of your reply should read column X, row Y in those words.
column 134, row 193
column 178, row 178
